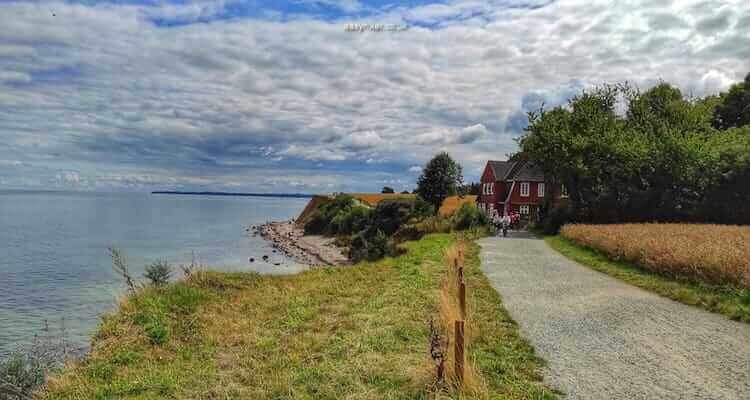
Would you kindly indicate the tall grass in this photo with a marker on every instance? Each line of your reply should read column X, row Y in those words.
column 702, row 253
column 450, row 311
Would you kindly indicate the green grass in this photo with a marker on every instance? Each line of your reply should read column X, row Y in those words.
column 733, row 303
column 357, row 332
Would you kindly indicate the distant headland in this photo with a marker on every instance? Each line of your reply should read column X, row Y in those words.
column 294, row 195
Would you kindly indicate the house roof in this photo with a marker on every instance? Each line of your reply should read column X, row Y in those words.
column 500, row 168
column 529, row 172
column 516, row 171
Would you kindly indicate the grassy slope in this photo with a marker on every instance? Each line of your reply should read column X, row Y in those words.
column 353, row 332
column 731, row 303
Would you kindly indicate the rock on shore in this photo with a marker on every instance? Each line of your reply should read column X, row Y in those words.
column 289, row 239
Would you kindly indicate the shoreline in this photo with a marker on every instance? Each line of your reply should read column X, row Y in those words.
column 312, row 250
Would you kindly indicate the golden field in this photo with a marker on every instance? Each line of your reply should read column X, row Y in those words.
column 712, row 254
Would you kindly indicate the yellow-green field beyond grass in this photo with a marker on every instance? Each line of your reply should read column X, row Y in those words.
column 357, row 332
column 701, row 265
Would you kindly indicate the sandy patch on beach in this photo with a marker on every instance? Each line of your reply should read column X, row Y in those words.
column 288, row 238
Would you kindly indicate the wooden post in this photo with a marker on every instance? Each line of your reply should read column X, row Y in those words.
column 460, row 275
column 462, row 298
column 459, row 351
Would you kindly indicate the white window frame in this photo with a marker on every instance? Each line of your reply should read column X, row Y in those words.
column 527, row 186
column 524, row 209
column 540, row 189
column 563, row 191
column 492, row 188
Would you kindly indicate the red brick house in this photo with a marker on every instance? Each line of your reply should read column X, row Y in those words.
column 508, row 186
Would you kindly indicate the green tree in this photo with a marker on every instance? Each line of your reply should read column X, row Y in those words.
column 659, row 160
column 387, row 189
column 441, row 177
column 734, row 108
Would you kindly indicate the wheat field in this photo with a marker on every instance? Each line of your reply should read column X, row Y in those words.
column 703, row 253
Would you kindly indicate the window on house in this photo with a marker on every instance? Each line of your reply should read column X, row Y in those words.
column 492, row 188
column 524, row 209
column 540, row 190
column 563, row 191
column 525, row 189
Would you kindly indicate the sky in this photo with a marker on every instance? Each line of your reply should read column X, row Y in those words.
column 286, row 96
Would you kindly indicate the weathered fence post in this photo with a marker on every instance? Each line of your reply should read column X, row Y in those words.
column 462, row 298
column 459, row 351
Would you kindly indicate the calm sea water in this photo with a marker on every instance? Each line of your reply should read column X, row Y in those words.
column 54, row 263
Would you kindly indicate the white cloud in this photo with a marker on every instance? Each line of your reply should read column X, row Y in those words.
column 102, row 87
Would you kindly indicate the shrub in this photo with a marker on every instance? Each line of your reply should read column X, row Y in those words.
column 320, row 222
column 555, row 219
column 120, row 266
column 25, row 369
column 158, row 273
column 422, row 209
column 358, row 247
column 350, row 220
column 371, row 248
column 316, row 224
column 389, row 215
column 407, row 233
column 156, row 331
column 469, row 216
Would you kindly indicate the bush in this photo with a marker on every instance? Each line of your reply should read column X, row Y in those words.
column 158, row 273
column 156, row 331
column 555, row 219
column 389, row 215
column 321, row 221
column 468, row 217
column 422, row 209
column 407, row 233
column 370, row 248
column 351, row 220
column 25, row 369
column 316, row 224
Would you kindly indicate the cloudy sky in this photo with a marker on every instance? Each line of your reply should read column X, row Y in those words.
column 275, row 96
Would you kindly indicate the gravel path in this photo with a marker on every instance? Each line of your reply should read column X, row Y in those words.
column 604, row 339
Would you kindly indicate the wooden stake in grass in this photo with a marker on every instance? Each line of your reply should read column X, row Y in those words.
column 462, row 298
column 459, row 351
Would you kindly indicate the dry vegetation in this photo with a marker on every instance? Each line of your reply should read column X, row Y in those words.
column 712, row 254
column 358, row 332
column 451, row 204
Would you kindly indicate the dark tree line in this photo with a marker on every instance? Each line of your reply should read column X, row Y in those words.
column 631, row 156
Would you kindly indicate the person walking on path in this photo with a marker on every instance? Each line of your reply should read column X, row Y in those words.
column 504, row 223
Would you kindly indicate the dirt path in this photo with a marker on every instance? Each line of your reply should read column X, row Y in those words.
column 604, row 339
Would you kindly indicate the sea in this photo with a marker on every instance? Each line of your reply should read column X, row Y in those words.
column 56, row 275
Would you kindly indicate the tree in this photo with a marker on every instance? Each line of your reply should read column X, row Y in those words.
column 473, row 188
column 657, row 162
column 441, row 177
column 734, row 108
column 387, row 189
